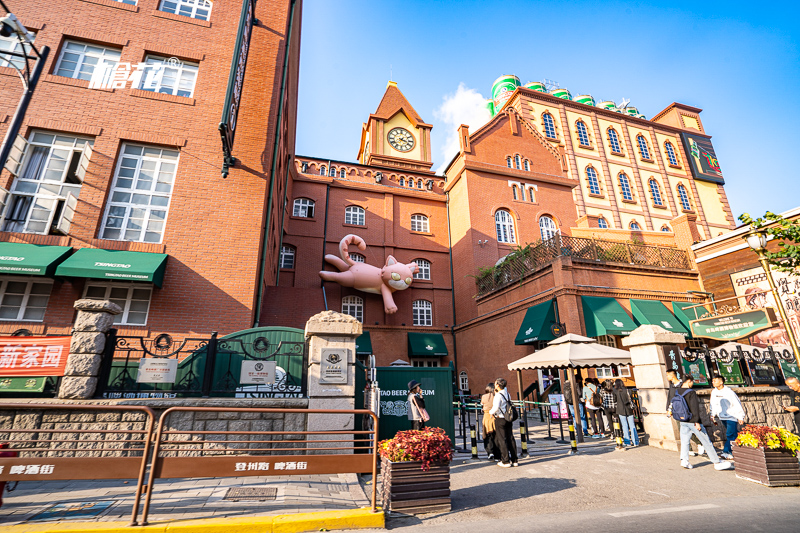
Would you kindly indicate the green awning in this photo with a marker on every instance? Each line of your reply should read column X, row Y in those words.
column 655, row 313
column 23, row 384
column 426, row 345
column 685, row 315
column 364, row 344
column 31, row 259
column 604, row 316
column 536, row 324
column 115, row 265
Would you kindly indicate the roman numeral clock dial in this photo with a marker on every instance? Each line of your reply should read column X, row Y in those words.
column 401, row 139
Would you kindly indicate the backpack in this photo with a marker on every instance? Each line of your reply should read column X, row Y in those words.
column 596, row 399
column 680, row 409
column 510, row 413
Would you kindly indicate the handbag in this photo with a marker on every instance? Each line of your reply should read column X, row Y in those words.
column 423, row 413
column 510, row 413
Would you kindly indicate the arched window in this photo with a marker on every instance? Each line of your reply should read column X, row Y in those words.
column 613, row 140
column 423, row 269
column 287, row 257
column 602, row 223
column 303, row 207
column 504, row 224
column 353, row 306
column 515, row 192
column 684, row 197
column 673, row 159
column 357, row 258
column 342, row 173
column 517, row 162
column 354, row 215
column 530, row 194
column 402, row 182
column 323, row 170
column 655, row 192
column 304, row 167
column 635, row 226
column 549, row 126
column 419, row 223
column 508, row 162
column 625, row 187
column 583, row 135
column 665, row 228
column 527, row 166
column 420, row 184
column 422, row 312
column 547, row 227
column 591, row 178
column 332, row 172
column 644, row 151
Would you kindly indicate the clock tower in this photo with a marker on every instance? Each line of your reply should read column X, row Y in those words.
column 395, row 136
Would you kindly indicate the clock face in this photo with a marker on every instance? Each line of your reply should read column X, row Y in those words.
column 401, row 139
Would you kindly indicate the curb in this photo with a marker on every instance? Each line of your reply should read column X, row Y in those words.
column 289, row 523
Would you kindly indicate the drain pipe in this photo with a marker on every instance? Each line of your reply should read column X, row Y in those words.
column 452, row 289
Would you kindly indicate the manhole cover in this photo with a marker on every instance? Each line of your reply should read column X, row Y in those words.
column 258, row 494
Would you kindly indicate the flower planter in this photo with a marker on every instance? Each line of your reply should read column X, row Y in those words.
column 773, row 468
column 406, row 488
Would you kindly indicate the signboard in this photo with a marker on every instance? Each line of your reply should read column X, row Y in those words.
column 33, row 356
column 672, row 357
column 22, row 384
column 789, row 369
column 697, row 369
column 750, row 285
column 734, row 326
column 156, row 370
column 230, row 113
column 559, row 411
column 257, row 372
column 732, row 372
column 333, row 366
column 702, row 158
column 762, row 373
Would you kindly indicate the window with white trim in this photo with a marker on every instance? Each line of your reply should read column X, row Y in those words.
column 625, row 187
column 684, row 198
column 644, row 151
column 196, row 9
column 583, row 134
column 531, row 194
column 508, row 162
column 547, row 227
column 549, row 126
column 504, row 225
column 422, row 313
column 602, row 223
column 12, row 44
column 303, row 207
column 591, row 178
column 517, row 162
column 287, row 257
column 78, row 60
column 133, row 298
column 527, row 166
column 515, row 192
column 168, row 77
column 665, row 228
column 44, row 195
column 423, row 269
column 607, row 340
column 419, row 223
column 354, row 215
column 635, row 226
column 342, row 172
column 353, row 306
column 357, row 258
column 332, row 171
column 402, row 182
column 655, row 192
column 420, row 184
column 673, row 159
column 139, row 200
column 23, row 298
column 624, row 371
column 605, row 372
column 613, row 140
column 323, row 170
column 425, row 363
column 463, row 380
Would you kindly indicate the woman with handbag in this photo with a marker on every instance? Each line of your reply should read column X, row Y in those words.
column 624, row 410
column 489, row 435
column 416, row 406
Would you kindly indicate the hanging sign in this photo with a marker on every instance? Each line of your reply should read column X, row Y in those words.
column 702, row 158
column 157, row 370
column 33, row 356
column 733, row 326
column 258, row 372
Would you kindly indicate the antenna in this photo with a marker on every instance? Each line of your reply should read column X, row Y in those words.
column 551, row 85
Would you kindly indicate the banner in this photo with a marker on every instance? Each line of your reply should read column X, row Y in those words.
column 750, row 284
column 33, row 356
column 733, row 326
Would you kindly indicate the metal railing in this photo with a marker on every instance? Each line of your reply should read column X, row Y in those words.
column 530, row 258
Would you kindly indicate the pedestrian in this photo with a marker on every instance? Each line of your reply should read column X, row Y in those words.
column 504, row 430
column 489, row 433
column 675, row 381
column 794, row 401
column 609, row 403
column 624, row 411
column 726, row 405
column 686, row 410
column 568, row 398
column 591, row 397
column 416, row 406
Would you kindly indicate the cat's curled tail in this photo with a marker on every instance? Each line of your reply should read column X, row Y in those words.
column 346, row 242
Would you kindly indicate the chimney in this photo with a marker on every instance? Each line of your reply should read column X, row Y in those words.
column 463, row 138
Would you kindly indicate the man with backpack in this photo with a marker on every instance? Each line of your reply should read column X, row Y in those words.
column 686, row 410
column 505, row 414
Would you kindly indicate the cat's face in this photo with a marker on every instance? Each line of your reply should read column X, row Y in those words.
column 398, row 275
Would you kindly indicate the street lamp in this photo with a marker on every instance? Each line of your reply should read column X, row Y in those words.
column 757, row 240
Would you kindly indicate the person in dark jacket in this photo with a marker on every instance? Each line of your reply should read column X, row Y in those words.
column 624, row 410
column 609, row 403
column 694, row 427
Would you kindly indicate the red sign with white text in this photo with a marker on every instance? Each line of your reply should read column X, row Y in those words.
column 33, row 356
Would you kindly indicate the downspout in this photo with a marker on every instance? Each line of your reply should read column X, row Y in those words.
column 452, row 289
column 265, row 241
column 325, row 242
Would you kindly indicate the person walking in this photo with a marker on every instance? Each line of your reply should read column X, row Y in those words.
column 489, row 427
column 686, row 410
column 794, row 400
column 503, row 428
column 726, row 406
column 416, row 406
column 593, row 401
column 624, row 411
column 609, row 403
column 568, row 398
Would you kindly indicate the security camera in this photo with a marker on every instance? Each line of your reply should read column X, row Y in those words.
column 10, row 24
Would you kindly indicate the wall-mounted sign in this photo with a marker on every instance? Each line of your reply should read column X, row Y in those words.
column 697, row 369
column 733, row 326
column 702, row 158
column 672, row 357
column 333, row 366
column 34, row 384
column 33, row 356
column 732, row 372
column 156, row 370
column 762, row 373
column 258, row 372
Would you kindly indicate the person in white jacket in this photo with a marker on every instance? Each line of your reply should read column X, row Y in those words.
column 726, row 405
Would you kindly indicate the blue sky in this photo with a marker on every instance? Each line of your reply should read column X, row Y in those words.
column 739, row 62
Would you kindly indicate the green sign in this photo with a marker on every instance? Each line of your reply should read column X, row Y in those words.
column 731, row 327
column 732, row 372
column 789, row 369
column 23, row 384
column 697, row 369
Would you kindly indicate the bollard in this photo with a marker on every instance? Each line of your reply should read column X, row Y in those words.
column 573, row 443
column 618, row 433
column 474, row 438
column 523, row 436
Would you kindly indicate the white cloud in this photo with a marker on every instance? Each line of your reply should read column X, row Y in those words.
column 465, row 106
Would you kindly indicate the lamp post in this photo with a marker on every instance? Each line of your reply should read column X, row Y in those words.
column 757, row 240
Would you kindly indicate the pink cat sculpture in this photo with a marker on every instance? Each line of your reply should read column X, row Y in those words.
column 392, row 277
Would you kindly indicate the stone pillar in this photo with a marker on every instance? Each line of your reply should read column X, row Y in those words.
column 650, row 372
column 332, row 347
column 95, row 318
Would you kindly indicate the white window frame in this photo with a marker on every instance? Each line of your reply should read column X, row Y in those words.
column 527, row 166
column 517, row 162
column 504, row 226
column 605, row 372
column 332, row 171
column 602, row 223
column 342, row 172
column 355, row 215
column 644, row 150
column 549, row 126
column 353, row 306
column 402, row 182
column 625, row 187
column 655, row 192
column 357, row 257
column 419, row 223
column 195, row 8
column 158, row 68
column 423, row 269
column 26, row 296
column 12, row 44
column 508, row 162
column 624, row 371
column 683, row 196
column 613, row 140
column 118, row 192
column 547, row 227
column 531, row 193
column 106, row 57
column 635, row 226
column 303, row 207
column 583, row 134
column 122, row 319
column 422, row 313
column 420, row 184
column 593, row 181
column 672, row 157
column 288, row 257
column 463, row 380
column 323, row 170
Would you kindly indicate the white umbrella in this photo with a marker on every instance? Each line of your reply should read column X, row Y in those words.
column 572, row 351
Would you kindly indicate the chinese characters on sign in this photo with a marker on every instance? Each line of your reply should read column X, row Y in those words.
column 33, row 356
column 750, row 286
column 291, row 465
column 333, row 366
column 117, row 75
column 28, row 469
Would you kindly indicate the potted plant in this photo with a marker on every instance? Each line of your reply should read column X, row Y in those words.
column 415, row 470
column 767, row 455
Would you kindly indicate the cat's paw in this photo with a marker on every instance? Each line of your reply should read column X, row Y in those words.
column 390, row 309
